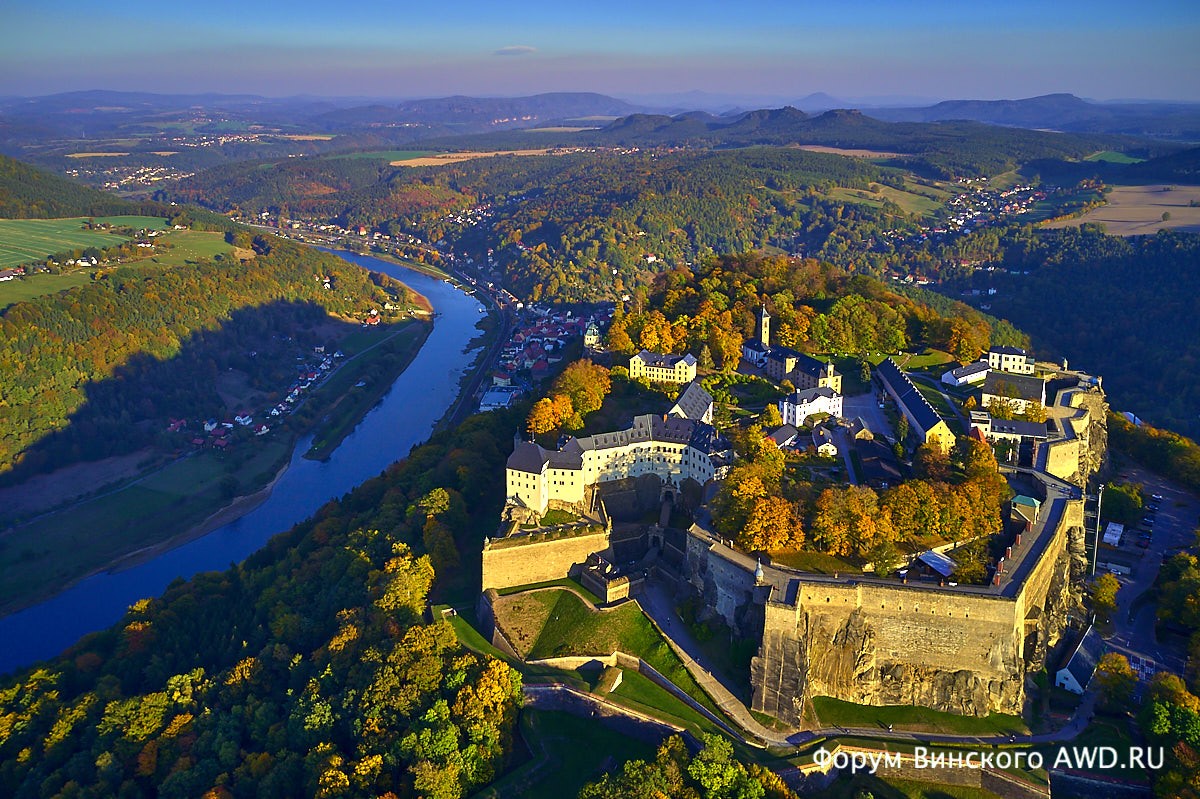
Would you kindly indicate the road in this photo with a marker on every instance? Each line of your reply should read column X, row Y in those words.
column 1178, row 516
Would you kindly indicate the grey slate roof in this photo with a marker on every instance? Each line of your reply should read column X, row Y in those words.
column 664, row 361
column 810, row 394
column 1003, row 384
column 970, row 369
column 784, row 435
column 1008, row 351
column 918, row 407
column 1082, row 664
column 1018, row 427
column 693, row 403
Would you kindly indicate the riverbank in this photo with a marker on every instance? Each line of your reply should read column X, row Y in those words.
column 197, row 492
column 361, row 382
column 405, row 417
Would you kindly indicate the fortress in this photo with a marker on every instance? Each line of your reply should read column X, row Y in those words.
column 966, row 649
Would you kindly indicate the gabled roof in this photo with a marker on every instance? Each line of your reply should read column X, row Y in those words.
column 693, row 403
column 810, row 394
column 938, row 562
column 1018, row 427
column 664, row 361
column 1084, row 658
column 784, row 435
column 971, row 369
column 1008, row 351
column 907, row 395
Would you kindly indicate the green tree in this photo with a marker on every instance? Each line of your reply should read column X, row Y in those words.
column 1116, row 678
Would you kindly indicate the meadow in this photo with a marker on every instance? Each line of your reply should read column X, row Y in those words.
column 1138, row 211
column 25, row 240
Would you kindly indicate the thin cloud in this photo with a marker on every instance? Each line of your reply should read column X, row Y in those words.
column 516, row 49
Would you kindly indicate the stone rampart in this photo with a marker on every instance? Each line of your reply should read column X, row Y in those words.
column 510, row 562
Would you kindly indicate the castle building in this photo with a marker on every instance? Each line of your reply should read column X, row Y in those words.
column 802, row 404
column 670, row 447
column 663, row 368
column 1017, row 390
column 591, row 336
column 1010, row 359
column 784, row 363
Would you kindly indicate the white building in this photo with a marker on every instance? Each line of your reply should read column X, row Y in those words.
column 1013, row 360
column 970, row 374
column 796, row 408
column 672, row 448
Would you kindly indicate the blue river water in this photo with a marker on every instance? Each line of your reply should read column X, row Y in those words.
column 404, row 417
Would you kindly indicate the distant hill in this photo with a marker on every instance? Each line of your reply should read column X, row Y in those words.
column 1064, row 112
column 29, row 193
column 480, row 113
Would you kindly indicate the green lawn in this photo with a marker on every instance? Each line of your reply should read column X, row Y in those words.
column 574, row 629
column 191, row 246
column 817, row 562
column 834, row 712
column 1113, row 157
column 564, row 582
column 31, row 286
column 26, row 240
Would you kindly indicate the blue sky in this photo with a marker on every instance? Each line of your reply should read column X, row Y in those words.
column 936, row 49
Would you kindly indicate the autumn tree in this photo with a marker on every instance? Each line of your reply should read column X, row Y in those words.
column 1104, row 595
column 1116, row 678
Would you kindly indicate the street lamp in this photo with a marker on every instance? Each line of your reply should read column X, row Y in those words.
column 1096, row 545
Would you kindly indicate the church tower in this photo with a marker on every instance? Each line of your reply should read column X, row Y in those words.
column 764, row 326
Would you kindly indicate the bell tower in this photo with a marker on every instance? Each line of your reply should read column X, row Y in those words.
column 764, row 326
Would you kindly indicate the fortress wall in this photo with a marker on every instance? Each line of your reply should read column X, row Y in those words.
column 535, row 562
column 1062, row 458
column 1048, row 571
column 890, row 645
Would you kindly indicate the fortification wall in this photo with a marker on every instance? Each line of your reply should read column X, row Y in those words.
column 890, row 645
column 506, row 563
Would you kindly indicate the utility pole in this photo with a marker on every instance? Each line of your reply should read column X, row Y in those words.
column 1096, row 546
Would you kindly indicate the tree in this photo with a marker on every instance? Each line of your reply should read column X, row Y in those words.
column 1116, row 678
column 771, row 417
column 864, row 371
column 542, row 417
column 902, row 428
column 705, row 360
column 1104, row 595
column 771, row 526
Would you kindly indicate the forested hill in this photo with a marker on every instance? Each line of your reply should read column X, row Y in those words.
column 305, row 671
column 575, row 226
column 97, row 370
column 29, row 193
column 709, row 310
column 1127, row 308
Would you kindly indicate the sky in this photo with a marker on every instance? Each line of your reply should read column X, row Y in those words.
column 931, row 49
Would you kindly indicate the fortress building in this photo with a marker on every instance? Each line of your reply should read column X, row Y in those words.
column 1013, row 360
column 672, row 448
column 925, row 422
column 784, row 363
column 663, row 368
column 796, row 408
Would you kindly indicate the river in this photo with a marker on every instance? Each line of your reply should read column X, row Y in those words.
column 403, row 418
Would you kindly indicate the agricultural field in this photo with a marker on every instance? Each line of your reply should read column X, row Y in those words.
column 851, row 153
column 191, row 246
column 31, row 286
column 1139, row 210
column 911, row 202
column 23, row 241
column 438, row 159
column 1113, row 157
